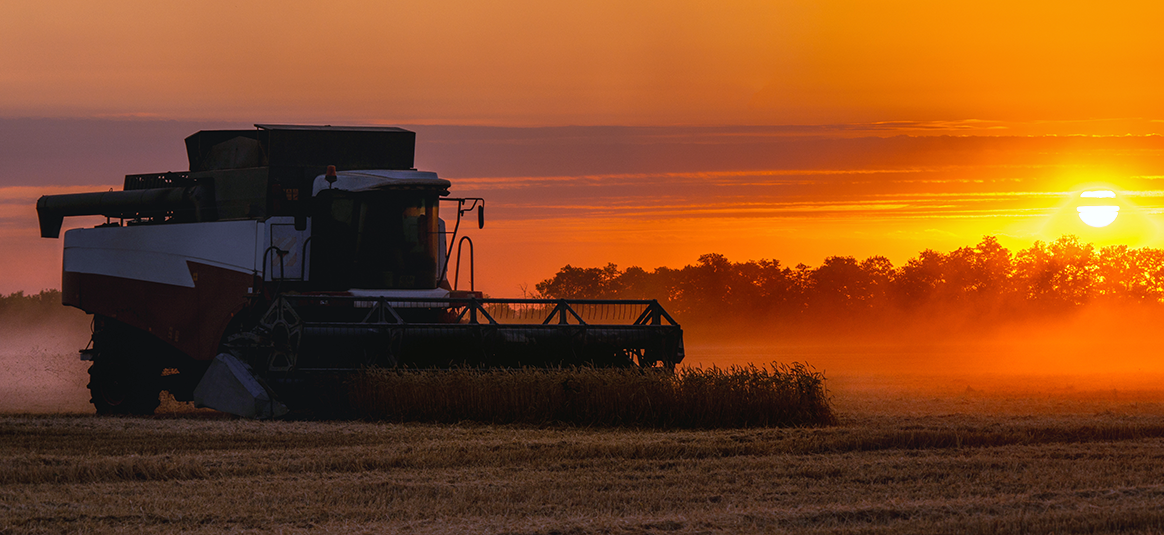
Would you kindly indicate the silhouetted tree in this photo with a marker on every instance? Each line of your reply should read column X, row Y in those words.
column 767, row 287
column 1062, row 272
column 921, row 279
column 878, row 273
column 580, row 283
column 1151, row 265
column 839, row 285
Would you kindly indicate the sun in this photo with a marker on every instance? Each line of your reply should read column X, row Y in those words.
column 1102, row 213
column 1098, row 215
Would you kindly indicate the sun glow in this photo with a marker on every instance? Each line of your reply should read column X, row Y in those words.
column 1098, row 215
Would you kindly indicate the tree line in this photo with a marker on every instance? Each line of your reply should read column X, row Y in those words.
column 19, row 302
column 986, row 280
column 19, row 308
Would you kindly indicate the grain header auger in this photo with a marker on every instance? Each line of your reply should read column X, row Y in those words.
column 290, row 253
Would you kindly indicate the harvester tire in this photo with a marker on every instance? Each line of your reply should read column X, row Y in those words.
column 126, row 374
column 122, row 390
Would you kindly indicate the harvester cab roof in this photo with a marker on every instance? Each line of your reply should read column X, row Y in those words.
column 373, row 180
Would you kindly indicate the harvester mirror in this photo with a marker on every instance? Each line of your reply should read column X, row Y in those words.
column 481, row 216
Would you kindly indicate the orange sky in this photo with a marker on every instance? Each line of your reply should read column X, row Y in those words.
column 598, row 62
column 92, row 91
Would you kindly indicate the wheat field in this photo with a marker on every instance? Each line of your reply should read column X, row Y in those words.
column 960, row 460
column 776, row 395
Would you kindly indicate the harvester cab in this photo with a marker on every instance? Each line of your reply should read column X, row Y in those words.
column 294, row 253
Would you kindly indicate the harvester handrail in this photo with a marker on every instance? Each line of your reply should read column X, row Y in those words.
column 485, row 300
column 474, row 307
column 626, row 327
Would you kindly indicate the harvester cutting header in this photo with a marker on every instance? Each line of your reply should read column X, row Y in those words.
column 289, row 253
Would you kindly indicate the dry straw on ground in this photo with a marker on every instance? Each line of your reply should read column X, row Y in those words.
column 936, row 473
column 776, row 396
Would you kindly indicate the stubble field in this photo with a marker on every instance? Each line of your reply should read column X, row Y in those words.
column 910, row 455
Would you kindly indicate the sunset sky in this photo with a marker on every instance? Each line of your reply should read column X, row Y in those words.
column 641, row 133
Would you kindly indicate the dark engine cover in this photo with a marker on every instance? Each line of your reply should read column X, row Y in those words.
column 346, row 147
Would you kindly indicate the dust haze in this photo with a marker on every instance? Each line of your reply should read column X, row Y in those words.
column 1094, row 359
column 1102, row 356
column 39, row 362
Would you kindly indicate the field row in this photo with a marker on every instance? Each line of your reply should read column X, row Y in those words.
column 917, row 474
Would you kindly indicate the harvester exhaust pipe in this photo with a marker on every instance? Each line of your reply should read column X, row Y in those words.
column 154, row 202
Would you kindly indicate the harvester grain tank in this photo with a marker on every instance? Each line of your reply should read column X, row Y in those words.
column 290, row 253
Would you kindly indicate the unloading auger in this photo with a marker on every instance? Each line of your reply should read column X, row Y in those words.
column 288, row 253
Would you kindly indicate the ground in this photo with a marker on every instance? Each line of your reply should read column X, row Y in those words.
column 960, row 455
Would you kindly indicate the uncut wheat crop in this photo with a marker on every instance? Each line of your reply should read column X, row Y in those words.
column 771, row 396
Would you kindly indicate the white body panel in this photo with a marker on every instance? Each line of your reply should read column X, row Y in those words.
column 437, row 294
column 158, row 253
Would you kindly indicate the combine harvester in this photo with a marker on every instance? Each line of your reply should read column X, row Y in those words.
column 288, row 254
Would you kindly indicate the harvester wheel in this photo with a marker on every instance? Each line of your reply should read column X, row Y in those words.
column 126, row 374
column 121, row 390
